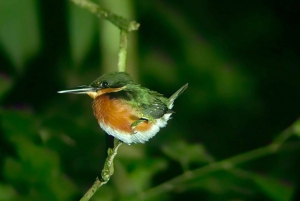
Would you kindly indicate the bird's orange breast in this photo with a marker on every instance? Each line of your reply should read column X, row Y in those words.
column 117, row 114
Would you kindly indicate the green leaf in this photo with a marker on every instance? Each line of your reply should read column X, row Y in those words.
column 144, row 171
column 26, row 124
column 187, row 153
column 82, row 26
column 12, row 169
column 19, row 30
column 273, row 188
column 5, row 83
column 35, row 165
column 7, row 192
column 297, row 128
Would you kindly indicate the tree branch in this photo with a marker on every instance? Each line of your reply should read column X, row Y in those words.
column 120, row 22
column 125, row 26
column 107, row 171
column 226, row 164
column 122, row 51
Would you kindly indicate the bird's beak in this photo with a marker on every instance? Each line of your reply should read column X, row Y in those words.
column 80, row 90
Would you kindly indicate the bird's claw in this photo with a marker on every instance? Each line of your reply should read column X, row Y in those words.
column 136, row 123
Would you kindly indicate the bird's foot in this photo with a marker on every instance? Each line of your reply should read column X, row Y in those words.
column 136, row 123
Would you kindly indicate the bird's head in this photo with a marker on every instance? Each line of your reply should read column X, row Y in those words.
column 107, row 83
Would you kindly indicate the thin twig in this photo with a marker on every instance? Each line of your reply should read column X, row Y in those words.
column 125, row 26
column 97, row 184
column 221, row 165
column 122, row 51
column 120, row 22
column 107, row 171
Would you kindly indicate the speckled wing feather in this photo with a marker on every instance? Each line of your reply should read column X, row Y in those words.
column 151, row 105
column 155, row 110
column 160, row 105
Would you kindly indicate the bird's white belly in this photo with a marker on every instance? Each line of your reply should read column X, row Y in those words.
column 138, row 136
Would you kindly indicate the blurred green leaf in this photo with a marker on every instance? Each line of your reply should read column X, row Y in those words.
column 132, row 153
column 137, row 176
column 187, row 153
column 19, row 30
column 37, row 167
column 48, row 161
column 62, row 187
column 273, row 187
column 158, row 65
column 12, row 169
column 144, row 171
column 5, row 83
column 7, row 192
column 217, row 183
column 82, row 28
column 18, row 123
column 297, row 127
column 121, row 180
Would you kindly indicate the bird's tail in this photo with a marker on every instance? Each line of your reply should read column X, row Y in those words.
column 176, row 94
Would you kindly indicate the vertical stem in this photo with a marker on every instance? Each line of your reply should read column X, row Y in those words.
column 118, row 21
column 107, row 171
column 87, row 196
column 122, row 51
column 125, row 26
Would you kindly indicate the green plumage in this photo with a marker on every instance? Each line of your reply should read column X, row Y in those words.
column 114, row 80
column 150, row 104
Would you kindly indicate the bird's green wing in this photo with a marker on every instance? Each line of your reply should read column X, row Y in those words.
column 150, row 104
column 155, row 110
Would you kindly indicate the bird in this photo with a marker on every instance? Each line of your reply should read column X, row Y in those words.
column 126, row 110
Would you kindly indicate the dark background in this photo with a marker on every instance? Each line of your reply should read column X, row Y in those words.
column 240, row 58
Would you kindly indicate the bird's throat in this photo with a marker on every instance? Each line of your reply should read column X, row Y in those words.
column 94, row 94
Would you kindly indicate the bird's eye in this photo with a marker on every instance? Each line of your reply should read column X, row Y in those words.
column 104, row 84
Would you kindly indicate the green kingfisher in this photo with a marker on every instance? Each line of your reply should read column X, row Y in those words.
column 124, row 109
